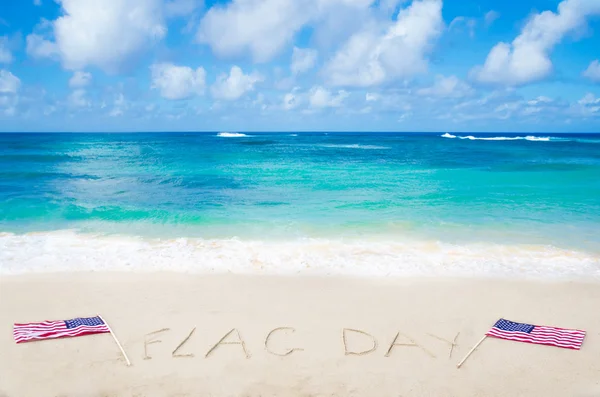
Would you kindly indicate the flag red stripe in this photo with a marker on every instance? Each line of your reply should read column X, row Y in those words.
column 39, row 323
column 79, row 331
column 65, row 330
column 561, row 333
column 522, row 335
column 533, row 340
column 525, row 337
column 536, row 336
column 24, row 332
column 558, row 338
column 41, row 326
column 37, row 329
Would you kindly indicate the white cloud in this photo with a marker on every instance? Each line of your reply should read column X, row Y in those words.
column 303, row 59
column 539, row 100
column 8, row 104
column 589, row 99
column 39, row 47
column 78, row 99
column 588, row 106
column 80, row 79
column 319, row 97
column 447, row 87
column 37, row 2
column 490, row 17
column 526, row 59
column 5, row 53
column 291, row 100
column 178, row 82
column 9, row 83
column 234, row 85
column 119, row 106
column 9, row 88
column 181, row 8
column 593, row 71
column 262, row 28
column 107, row 34
column 373, row 56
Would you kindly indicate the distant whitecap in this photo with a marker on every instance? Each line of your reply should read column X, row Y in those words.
column 504, row 138
column 231, row 135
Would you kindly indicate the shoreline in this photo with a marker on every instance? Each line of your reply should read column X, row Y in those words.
column 306, row 312
column 67, row 251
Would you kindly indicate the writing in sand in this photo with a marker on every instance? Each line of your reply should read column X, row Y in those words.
column 354, row 342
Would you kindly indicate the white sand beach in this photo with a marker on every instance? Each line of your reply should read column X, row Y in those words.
column 427, row 312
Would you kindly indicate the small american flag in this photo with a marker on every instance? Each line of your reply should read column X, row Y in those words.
column 59, row 329
column 560, row 337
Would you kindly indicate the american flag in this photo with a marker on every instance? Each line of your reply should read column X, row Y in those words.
column 59, row 329
column 560, row 337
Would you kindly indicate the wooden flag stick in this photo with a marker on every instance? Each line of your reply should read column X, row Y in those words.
column 116, row 340
column 471, row 352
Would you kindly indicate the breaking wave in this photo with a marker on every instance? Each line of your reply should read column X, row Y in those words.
column 67, row 250
column 231, row 135
column 505, row 138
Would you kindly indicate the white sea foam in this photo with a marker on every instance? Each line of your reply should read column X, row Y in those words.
column 69, row 251
column 231, row 135
column 538, row 138
column 355, row 146
column 293, row 134
column 504, row 138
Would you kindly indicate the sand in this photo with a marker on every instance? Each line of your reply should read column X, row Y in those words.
column 428, row 313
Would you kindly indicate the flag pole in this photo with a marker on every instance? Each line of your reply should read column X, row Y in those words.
column 116, row 340
column 471, row 352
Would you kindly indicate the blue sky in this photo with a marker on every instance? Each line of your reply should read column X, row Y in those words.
column 280, row 65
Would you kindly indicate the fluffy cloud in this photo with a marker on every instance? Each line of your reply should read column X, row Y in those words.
column 234, row 85
column 178, row 82
column 373, row 56
column 262, row 28
column 447, row 87
column 303, row 59
column 593, row 71
column 80, row 79
column 120, row 105
column 9, row 83
column 291, row 100
column 78, row 99
column 39, row 47
column 319, row 97
column 9, row 87
column 589, row 99
column 588, row 106
column 107, row 34
column 526, row 59
column 5, row 54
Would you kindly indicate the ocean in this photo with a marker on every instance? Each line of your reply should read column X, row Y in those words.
column 524, row 205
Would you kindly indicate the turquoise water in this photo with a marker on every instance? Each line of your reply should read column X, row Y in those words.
column 306, row 184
